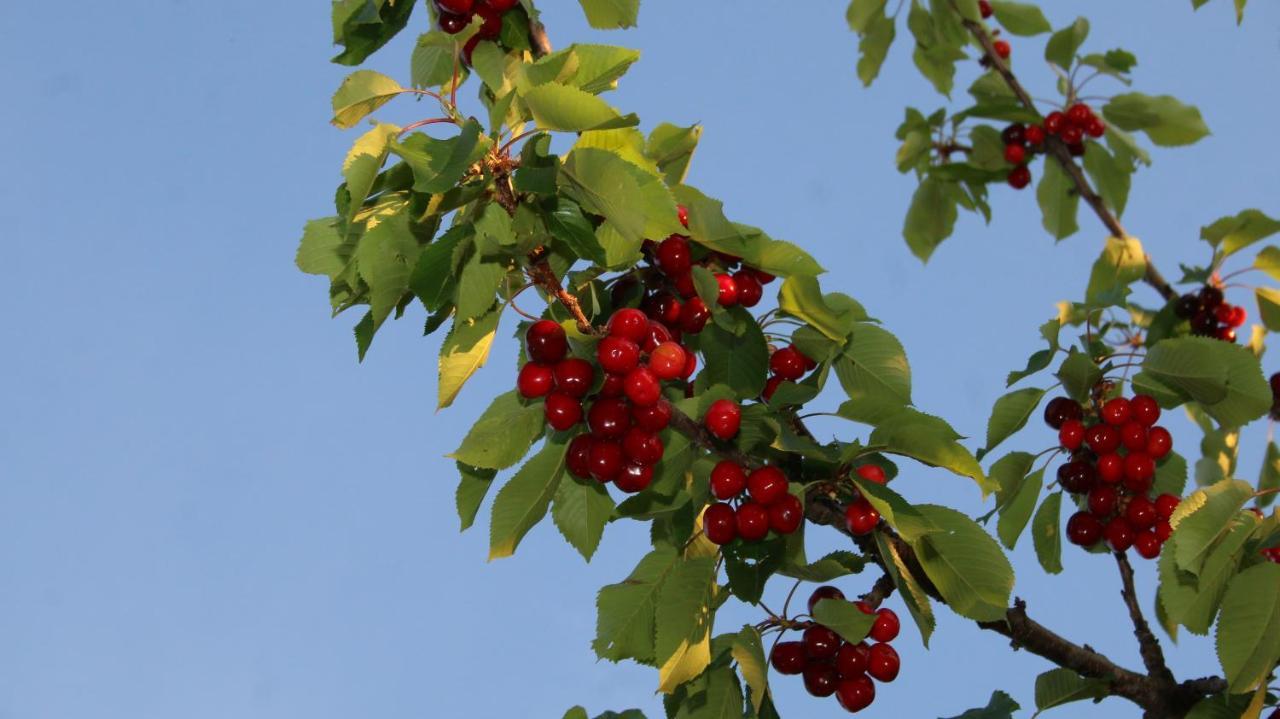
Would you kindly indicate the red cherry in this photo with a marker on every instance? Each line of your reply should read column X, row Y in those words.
column 653, row 418
column 1095, row 127
column 629, row 324
column 788, row 658
column 682, row 214
column 1226, row 334
column 861, row 518
column 719, row 523
column 752, row 521
column 574, row 376
column 673, row 256
column 786, row 515
column 821, row 643
column 1133, row 435
column 749, row 288
column 501, row 5
column 1079, row 114
column 457, row 7
column 667, row 361
column 1061, row 409
column 656, row 335
column 1141, row 513
column 1014, row 134
column 642, row 447
column 1147, row 544
column 546, row 342
column 1019, row 177
column 787, row 363
column 535, row 380
column 1084, row 529
column 684, row 285
column 578, row 456
column 1120, row 534
column 1054, row 123
column 1144, row 409
column 642, row 387
column 1111, row 468
column 1139, row 466
column 821, row 679
column 609, row 418
column 492, row 25
column 562, row 411
column 1035, row 135
column 1138, row 486
column 872, row 473
column 886, row 627
column 824, row 592
column 694, row 316
column 728, row 295
column 1102, row 439
column 1163, row 530
column 1072, row 135
column 852, row 659
column 663, row 307
column 634, row 478
column 1116, row 411
column 453, row 24
column 723, row 419
column 855, row 693
column 1166, row 504
column 690, row 364
column 1077, row 476
column 1239, row 316
column 764, row 277
column 984, row 6
column 1002, row 49
column 1071, row 435
column 728, row 479
column 617, row 355
column 767, row 485
column 771, row 386
column 1103, row 500
column 1159, row 442
column 607, row 460
column 612, row 387
column 1015, row 154
column 884, row 663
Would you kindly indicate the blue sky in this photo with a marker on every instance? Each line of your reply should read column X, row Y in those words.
column 209, row 509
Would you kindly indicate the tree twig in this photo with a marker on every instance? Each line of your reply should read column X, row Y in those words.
column 1152, row 653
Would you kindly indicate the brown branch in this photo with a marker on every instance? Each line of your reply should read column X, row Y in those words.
column 1152, row 653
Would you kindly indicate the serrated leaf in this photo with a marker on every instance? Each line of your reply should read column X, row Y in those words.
column 844, row 618
column 435, row 273
column 362, row 26
column 611, row 14
column 1059, row 201
column 930, row 440
column 1269, row 477
column 438, row 165
column 465, row 350
column 708, row 226
column 876, row 36
column 1063, row 44
column 1020, row 18
column 671, row 148
column 503, row 434
column 1171, row 475
column 737, row 360
column 1268, row 260
column 433, row 60
column 523, row 500
column 1268, row 307
column 1193, row 600
column 1248, row 639
column 831, row 566
column 1203, row 518
column 1165, row 119
column 1232, row 234
column 931, row 218
column 1010, row 414
column 568, row 109
column 1046, row 533
column 896, row 511
column 748, row 652
column 874, row 372
column 682, row 643
column 1224, row 378
column 635, row 202
column 364, row 161
column 386, row 255
column 580, row 511
column 625, row 611
column 362, row 92
column 965, row 564
column 323, row 249
column 1063, row 686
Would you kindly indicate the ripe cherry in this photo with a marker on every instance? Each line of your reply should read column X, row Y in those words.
column 872, row 473
column 1163, row 530
column 1002, row 49
column 767, row 485
column 752, row 521
column 578, row 456
column 771, row 386
column 788, row 658
column 491, row 26
column 666, row 361
column 682, row 214
column 787, row 363
column 1095, row 127
column 1035, row 135
column 750, row 291
column 1111, row 468
column 1019, row 177
column 1054, row 123
column 609, row 418
column 634, row 478
column 1072, row 135
column 607, row 459
column 1226, row 334
column 1141, row 513
column 673, row 256
column 852, row 659
column 984, row 6
column 1014, row 134
column 663, row 307
column 723, row 419
column 719, row 523
column 1116, row 411
column 617, row 355
column 855, row 693
column 824, row 592
column 886, row 627
column 821, row 643
column 562, row 411
column 653, row 418
column 861, row 518
column 1071, row 435
column 1015, row 154
column 546, row 342
column 453, row 24
column 1166, row 504
column 764, row 277
column 694, row 316
column 1159, row 442
column 1239, row 316
column 642, row 387
column 1147, row 544
column 884, row 663
column 612, row 386
column 786, row 515
column 1079, row 114
column 1138, row 466
column 1077, row 476
column 684, row 285
column 501, row 5
column 1103, row 500
column 1061, row 409
column 535, row 380
column 1084, row 529
column 728, row 479
column 1144, row 409
column 642, row 446
column 690, row 364
column 457, row 7
column 821, row 679
column 574, row 376
column 1120, row 534
column 728, row 292
column 655, row 336
column 1102, row 439
column 629, row 324
column 1133, row 435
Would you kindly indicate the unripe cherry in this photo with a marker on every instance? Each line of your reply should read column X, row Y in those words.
column 574, row 376
column 629, row 324
column 562, row 411
column 642, row 447
column 786, row 515
column 723, row 419
column 607, row 460
column 617, row 355
column 788, row 658
column 634, row 478
column 667, row 361
column 1071, row 435
column 578, row 456
column 728, row 292
column 674, row 256
column 535, row 380
column 884, row 663
column 728, row 479
column 546, row 342
column 824, row 592
column 752, row 521
column 886, row 627
column 609, row 418
column 750, row 291
column 719, row 523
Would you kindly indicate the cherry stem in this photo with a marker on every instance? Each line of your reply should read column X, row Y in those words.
column 423, row 123
column 517, row 138
column 786, row 604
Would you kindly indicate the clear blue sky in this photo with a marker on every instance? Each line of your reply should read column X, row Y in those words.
column 208, row 509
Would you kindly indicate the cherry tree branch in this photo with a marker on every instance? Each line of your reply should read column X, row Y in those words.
column 1152, row 653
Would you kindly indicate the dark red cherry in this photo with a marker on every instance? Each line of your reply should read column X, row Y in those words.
column 1079, row 114
column 1120, row 534
column 562, row 411
column 821, row 679
column 861, row 518
column 1102, row 439
column 453, row 24
column 767, row 485
column 663, row 307
column 1139, row 466
column 1103, row 500
column 607, row 460
column 752, row 521
column 1116, row 412
column 684, row 285
column 546, row 342
column 728, row 293
column 1084, row 529
column 1077, row 476
column 1061, row 409
column 491, row 26
column 1144, row 409
column 1019, row 177
column 719, row 523
column 612, row 386
column 984, row 6
column 617, row 355
column 1210, row 297
column 674, row 256
column 728, row 479
column 609, row 418
column 578, row 456
column 1159, row 442
column 771, row 386
column 1072, row 135
column 855, row 693
column 1141, row 513
column 1035, row 135
column 787, row 363
column 457, row 7
column 535, row 380
column 824, row 592
column 1002, row 48
column 788, row 658
column 1147, row 544
column 886, row 627
column 821, row 643
column 852, row 659
column 786, row 515
column 1015, row 154
column 634, row 478
column 750, row 291
column 654, row 418
column 694, row 316
column 883, row 664
column 575, row 376
column 642, row 446
column 1014, row 134
column 501, row 5
column 1133, row 435
column 1054, row 123
column 1166, row 504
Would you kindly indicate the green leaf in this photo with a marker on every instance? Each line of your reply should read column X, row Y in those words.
column 1248, row 639
column 1063, row 44
column 362, row 92
column 432, row 62
column 844, row 618
column 930, row 440
column 576, row 713
column 565, row 108
column 1232, row 234
column 931, row 217
column 611, row 14
column 737, row 360
column 1268, row 307
column 1224, row 378
column 1220, row 706
column 465, row 350
column 503, row 434
column 438, row 165
column 635, row 202
column 837, row 564
column 1268, row 260
column 386, row 256
column 1046, row 533
column 1078, row 374
column 966, row 565
column 436, row 271
column 1110, row 176
column 874, row 372
column 1205, row 517
column 581, row 511
column 1063, row 686
column 471, row 492
column 523, row 501
column 1058, row 200
column 477, row 286
column 625, row 611
column 912, row 594
column 708, row 226
column 682, row 619
column 876, row 35
column 671, row 148
column 363, row 162
column 999, row 706
column 1164, row 118
column 1016, row 512
column 1020, row 18
column 324, row 250
column 896, row 511
column 567, row 224
column 1121, row 263
column 801, row 297
column 1171, row 475
column 748, row 652
column 1010, row 414
column 364, row 26
column 596, row 68
column 1193, row 600
column 1269, row 477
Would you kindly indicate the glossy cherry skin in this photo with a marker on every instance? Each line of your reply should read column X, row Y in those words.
column 1159, row 442
column 788, row 658
column 674, row 256
column 501, row 5
column 1116, row 412
column 723, row 419
column 578, row 456
column 1079, row 114
column 617, row 355
column 1054, row 123
column 1077, row 476
column 453, row 24
column 607, row 460
column 642, row 447
column 1084, row 529
column 609, row 418
column 1103, row 500
column 546, row 342
column 1120, row 534
column 1111, row 468
column 719, row 523
column 667, row 361
column 1095, row 127
column 1019, row 177
column 457, row 7
column 575, row 376
column 1133, row 436
column 984, row 7
column 491, row 26
column 1138, row 466
column 1141, row 513
column 872, row 473
column 821, row 643
column 682, row 214
column 694, row 316
column 861, row 518
column 654, row 418
column 1071, row 434
column 821, row 679
column 787, row 363
column 1166, row 504
column 690, row 365
column 771, row 386
column 824, row 592
column 1226, row 334
column 1014, row 134
column 855, row 693
column 767, row 485
column 634, row 478
column 883, row 664
column 1061, row 409
column 1072, row 135
column 664, row 307
column 728, row 292
column 1163, row 530
column 1015, row 154
column 1035, row 135
column 1102, row 439
column 786, row 515
column 655, row 335
column 684, row 285
column 642, row 387
column 750, row 291
column 535, row 380
column 562, row 411
column 728, row 479
column 629, row 324
column 752, row 521
column 612, row 386
column 1147, row 544
column 886, row 627
column 852, row 659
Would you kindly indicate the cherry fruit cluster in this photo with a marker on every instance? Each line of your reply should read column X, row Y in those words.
column 1209, row 313
column 456, row 15
column 763, row 503
column 788, row 364
column 1112, row 469
column 829, row 665
column 860, row 518
column 1021, row 142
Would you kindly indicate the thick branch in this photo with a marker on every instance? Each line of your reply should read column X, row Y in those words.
column 1152, row 653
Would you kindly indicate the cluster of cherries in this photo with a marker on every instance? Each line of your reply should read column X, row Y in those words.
column 1002, row 47
column 831, row 665
column 1209, row 313
column 767, row 504
column 1021, row 142
column 786, row 365
column 860, row 518
column 455, row 15
column 1112, row 467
